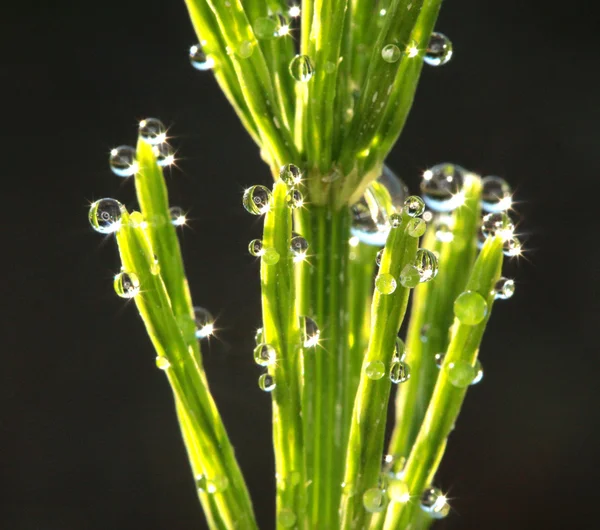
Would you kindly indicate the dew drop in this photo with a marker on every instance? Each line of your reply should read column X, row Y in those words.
column 270, row 256
column 375, row 370
column 122, row 161
column 266, row 382
column 204, row 322
column 246, row 48
column 439, row 359
column 294, row 11
column 298, row 245
column 105, row 215
column 478, row 373
column 410, row 277
column 470, row 308
column 512, row 247
column 310, row 332
column 162, row 363
column 495, row 195
column 442, row 187
column 165, row 156
column 399, row 371
column 266, row 28
column 301, row 68
column 286, row 518
column 329, row 67
column 127, row 284
column 294, row 199
column 504, row 289
column 426, row 264
column 395, row 220
column 257, row 200
column 199, row 60
column 255, row 248
column 177, row 216
column 398, row 491
column 439, row 50
column 416, row 227
column 391, row 53
column 431, row 499
column 385, row 283
column 414, row 206
column 497, row 224
column 374, row 500
column 152, row 131
column 217, row 484
column 155, row 267
column 265, row 355
column 460, row 373
column 291, row 175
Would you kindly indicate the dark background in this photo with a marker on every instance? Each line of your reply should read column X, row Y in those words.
column 88, row 437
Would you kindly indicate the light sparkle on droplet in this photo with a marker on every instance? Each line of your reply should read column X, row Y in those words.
column 294, row 11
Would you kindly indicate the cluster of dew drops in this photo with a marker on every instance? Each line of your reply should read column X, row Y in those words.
column 105, row 217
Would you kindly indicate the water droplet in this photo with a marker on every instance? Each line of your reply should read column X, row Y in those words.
column 385, row 283
column 410, row 277
column 259, row 336
column 217, row 484
column 416, row 227
column 162, row 363
column 377, row 210
column 105, row 215
column 199, row 60
column 329, row 67
column 414, row 206
column 127, row 284
column 256, row 248
column 246, row 48
column 152, row 131
column 310, row 332
column 497, row 224
column 412, row 50
column 442, row 186
column 470, row 308
column 443, row 229
column 122, row 161
column 286, row 518
column 301, row 68
column 332, row 176
column 374, row 500
column 431, row 498
column 257, row 200
column 378, row 258
column 266, row 382
column 136, row 220
column 504, row 289
column 270, row 256
column 478, row 372
column 165, row 156
column 265, row 355
column 460, row 373
column 512, row 247
column 294, row 11
column 204, row 322
column 399, row 371
column 177, row 216
column 155, row 267
column 398, row 491
column 439, row 359
column 400, row 349
column 291, row 175
column 426, row 264
column 439, row 50
column 294, row 199
column 391, row 53
column 495, row 195
column 375, row 370
column 266, row 27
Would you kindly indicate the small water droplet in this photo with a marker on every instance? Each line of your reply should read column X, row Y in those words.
column 414, row 206
column 256, row 248
column 512, row 247
column 385, row 283
column 257, row 200
column 165, row 156
column 266, row 28
column 395, row 220
column 497, row 224
column 495, row 194
column 204, row 322
column 439, row 359
column 270, row 256
column 416, row 227
column 398, row 491
column 391, row 53
column 266, row 382
column 375, row 370
column 199, row 60
column 504, row 289
column 265, row 355
column 259, row 336
column 122, row 161
column 127, row 284
column 478, row 373
column 294, row 199
column 294, row 11
column 162, row 363
column 470, row 308
column 291, row 175
column 374, row 500
column 217, row 484
column 442, row 186
column 433, row 500
column 301, row 68
column 177, row 216
column 152, row 131
column 426, row 264
column 460, row 373
column 105, row 215
column 329, row 67
column 378, row 258
column 439, row 50
column 409, row 277
column 155, row 267
column 399, row 371
column 286, row 518
column 310, row 332
column 246, row 48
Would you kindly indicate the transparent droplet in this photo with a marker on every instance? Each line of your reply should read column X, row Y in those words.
column 375, row 370
column 294, row 199
column 266, row 382
column 399, row 371
column 266, row 28
column 105, row 215
column 478, row 372
column 426, row 264
column 495, row 195
column 391, row 53
column 204, row 322
column 460, row 373
column 162, row 363
column 265, row 355
column 301, row 68
column 286, row 518
column 398, row 491
column 470, row 308
column 504, row 289
column 414, row 206
column 256, row 248
column 122, row 161
column 329, row 67
column 374, row 500
column 410, row 277
column 165, row 156
column 152, row 131
column 443, row 229
column 310, row 332
column 127, row 284
column 283, row 25
column 155, row 267
column 257, row 200
column 512, row 247
column 246, row 48
column 294, row 11
column 497, row 224
column 416, row 227
column 199, row 60
column 177, row 216
column 439, row 359
column 270, row 256
column 385, row 283
column 291, row 175
column 432, row 499
column 400, row 349
column 217, row 484
column 259, row 336
column 442, row 187
column 439, row 50
column 377, row 210
column 412, row 50
column 378, row 258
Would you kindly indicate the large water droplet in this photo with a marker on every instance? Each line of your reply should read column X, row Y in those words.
column 127, row 284
column 270, row 256
column 256, row 248
column 165, row 156
column 204, row 322
column 257, row 200
column 301, row 68
column 105, row 215
column 152, row 131
column 310, row 332
column 495, row 194
column 286, row 518
column 460, row 373
column 385, row 283
column 122, row 161
column 298, row 244
column 426, row 264
column 410, row 276
column 439, row 50
column 414, row 206
column 374, row 500
column 399, row 371
column 265, row 355
column 177, row 216
column 497, row 224
column 266, row 28
column 375, row 370
column 266, row 382
column 291, row 175
column 478, row 372
column 199, row 60
column 470, row 308
column 442, row 186
column 391, row 53
column 294, row 199
column 504, row 289
column 162, row 363
column 398, row 491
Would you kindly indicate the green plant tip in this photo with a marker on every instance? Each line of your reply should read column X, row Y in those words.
column 470, row 308
column 375, row 370
column 270, row 256
column 385, row 283
column 460, row 373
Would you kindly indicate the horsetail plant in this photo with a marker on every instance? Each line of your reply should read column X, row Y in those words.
column 325, row 116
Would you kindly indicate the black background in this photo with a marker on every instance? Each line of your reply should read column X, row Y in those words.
column 88, row 437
